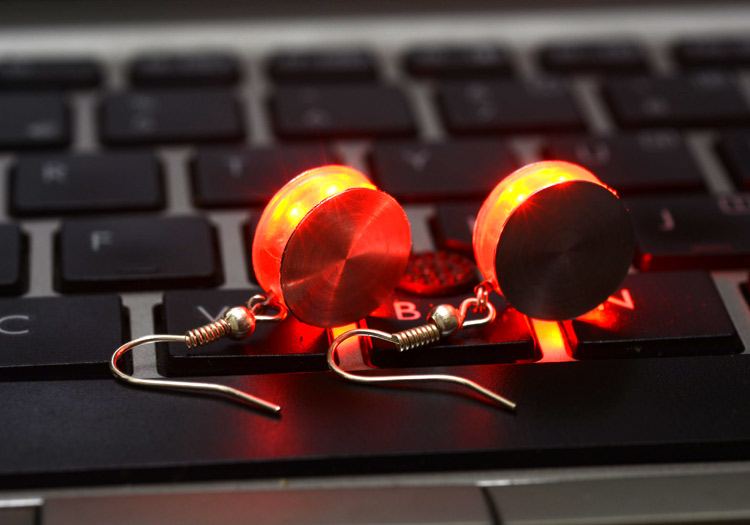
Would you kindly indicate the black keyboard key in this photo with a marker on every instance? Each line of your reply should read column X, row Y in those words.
column 106, row 182
column 33, row 121
column 701, row 232
column 12, row 260
column 438, row 273
column 206, row 69
column 507, row 340
column 453, row 226
column 455, row 61
column 594, row 57
column 657, row 315
column 289, row 346
column 647, row 162
column 323, row 66
column 341, row 111
column 245, row 177
column 411, row 171
column 509, row 107
column 574, row 413
column 734, row 149
column 698, row 100
column 137, row 254
column 171, row 116
column 60, row 337
column 49, row 73
column 711, row 53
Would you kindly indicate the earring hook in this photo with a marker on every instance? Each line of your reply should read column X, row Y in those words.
column 444, row 320
column 237, row 323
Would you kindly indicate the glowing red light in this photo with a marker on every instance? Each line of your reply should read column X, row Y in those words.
column 331, row 246
column 287, row 209
column 551, row 341
column 512, row 193
column 624, row 301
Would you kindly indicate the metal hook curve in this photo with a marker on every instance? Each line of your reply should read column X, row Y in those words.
column 368, row 332
column 215, row 388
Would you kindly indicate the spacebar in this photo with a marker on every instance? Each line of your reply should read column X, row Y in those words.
column 574, row 413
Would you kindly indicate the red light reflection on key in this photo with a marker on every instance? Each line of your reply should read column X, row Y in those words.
column 551, row 341
column 349, row 353
column 607, row 314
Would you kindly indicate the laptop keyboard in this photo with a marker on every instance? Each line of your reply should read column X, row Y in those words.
column 654, row 374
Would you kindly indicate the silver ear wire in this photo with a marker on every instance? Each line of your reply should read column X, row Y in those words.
column 444, row 320
column 238, row 323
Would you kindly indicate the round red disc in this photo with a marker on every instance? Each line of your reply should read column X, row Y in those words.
column 345, row 257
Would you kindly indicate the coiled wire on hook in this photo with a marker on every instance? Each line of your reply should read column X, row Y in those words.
column 207, row 334
column 225, row 327
column 414, row 338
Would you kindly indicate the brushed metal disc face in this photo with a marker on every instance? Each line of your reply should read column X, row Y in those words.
column 564, row 251
column 345, row 257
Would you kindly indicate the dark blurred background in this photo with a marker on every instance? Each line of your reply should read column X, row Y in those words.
column 40, row 12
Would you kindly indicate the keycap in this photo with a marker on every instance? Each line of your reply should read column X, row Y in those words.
column 734, row 149
column 137, row 254
column 321, row 66
column 248, row 234
column 49, row 73
column 60, row 337
column 453, row 226
column 570, row 413
column 691, row 232
column 438, row 273
column 413, row 171
column 103, row 182
column 341, row 111
column 608, row 57
column 251, row 176
column 12, row 260
column 713, row 52
column 288, row 346
column 445, row 61
column 33, row 121
column 700, row 100
column 509, row 107
column 663, row 314
column 200, row 69
column 506, row 340
column 171, row 116
column 650, row 161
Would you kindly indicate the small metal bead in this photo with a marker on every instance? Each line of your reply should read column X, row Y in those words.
column 241, row 321
column 446, row 318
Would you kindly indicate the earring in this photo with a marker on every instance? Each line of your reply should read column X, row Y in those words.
column 551, row 238
column 329, row 248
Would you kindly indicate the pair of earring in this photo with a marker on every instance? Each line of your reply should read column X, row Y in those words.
column 330, row 247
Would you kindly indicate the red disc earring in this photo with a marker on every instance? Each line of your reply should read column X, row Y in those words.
column 329, row 248
column 553, row 240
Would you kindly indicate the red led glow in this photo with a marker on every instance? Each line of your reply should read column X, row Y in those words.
column 624, row 301
column 551, row 341
column 610, row 313
column 287, row 209
column 509, row 195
